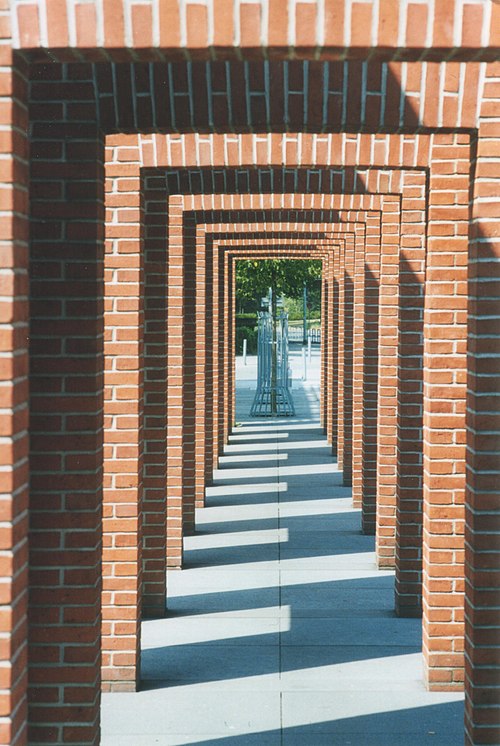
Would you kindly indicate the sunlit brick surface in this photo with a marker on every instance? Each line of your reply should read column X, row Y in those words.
column 376, row 125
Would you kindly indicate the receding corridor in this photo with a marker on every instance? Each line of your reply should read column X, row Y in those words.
column 280, row 629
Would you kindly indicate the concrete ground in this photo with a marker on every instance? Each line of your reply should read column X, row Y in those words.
column 281, row 631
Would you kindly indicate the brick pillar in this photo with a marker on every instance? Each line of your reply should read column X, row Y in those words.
column 209, row 361
column 408, row 559
column 189, row 375
column 217, row 347
column 385, row 529
column 201, row 345
column 230, row 349
column 123, row 442
column 232, row 401
column 482, row 606
column 226, row 356
column 220, row 351
column 445, row 332
column 358, row 355
column 66, row 371
column 14, row 405
column 373, row 250
column 335, row 298
column 327, row 342
column 340, row 319
column 347, row 309
column 325, row 351
column 154, row 549
column 175, row 361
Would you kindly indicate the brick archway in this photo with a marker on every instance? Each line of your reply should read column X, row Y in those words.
column 434, row 69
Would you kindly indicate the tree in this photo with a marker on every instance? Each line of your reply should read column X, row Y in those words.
column 254, row 277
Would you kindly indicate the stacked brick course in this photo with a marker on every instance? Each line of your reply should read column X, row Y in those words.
column 143, row 179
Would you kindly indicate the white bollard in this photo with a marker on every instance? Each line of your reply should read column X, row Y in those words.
column 309, row 350
column 304, row 363
column 244, row 352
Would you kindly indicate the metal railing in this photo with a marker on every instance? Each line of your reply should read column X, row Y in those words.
column 273, row 397
column 295, row 334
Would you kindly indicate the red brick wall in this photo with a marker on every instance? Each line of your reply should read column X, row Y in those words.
column 66, row 412
column 392, row 508
column 14, row 446
column 445, row 332
column 70, row 109
column 481, row 514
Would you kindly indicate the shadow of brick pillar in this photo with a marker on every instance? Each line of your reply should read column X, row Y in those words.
column 67, row 183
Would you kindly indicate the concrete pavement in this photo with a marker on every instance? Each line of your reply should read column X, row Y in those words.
column 281, row 630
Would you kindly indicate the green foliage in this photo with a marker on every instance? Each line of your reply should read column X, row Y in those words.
column 246, row 319
column 254, row 277
column 248, row 333
column 294, row 308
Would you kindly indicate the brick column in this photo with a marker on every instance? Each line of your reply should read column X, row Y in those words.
column 228, row 350
column 123, row 442
column 326, row 316
column 385, row 528
column 331, row 371
column 482, row 542
column 209, row 361
column 408, row 555
column 154, row 504
column 14, row 443
column 230, row 354
column 347, row 310
column 358, row 343
column 339, row 269
column 189, row 375
column 445, row 329
column 369, row 444
column 219, row 352
column 66, row 370
column 335, row 345
column 201, row 351
column 175, row 381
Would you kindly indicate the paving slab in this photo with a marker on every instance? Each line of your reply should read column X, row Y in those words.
column 212, row 630
column 281, row 629
column 163, row 711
